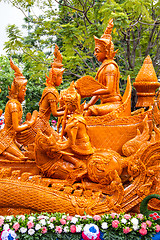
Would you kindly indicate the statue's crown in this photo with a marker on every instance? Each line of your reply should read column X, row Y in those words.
column 18, row 81
column 56, row 66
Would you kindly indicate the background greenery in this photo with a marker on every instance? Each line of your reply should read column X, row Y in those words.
column 71, row 24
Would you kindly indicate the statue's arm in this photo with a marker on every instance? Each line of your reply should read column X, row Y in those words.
column 16, row 125
column 93, row 100
column 109, row 75
column 53, row 104
column 15, row 120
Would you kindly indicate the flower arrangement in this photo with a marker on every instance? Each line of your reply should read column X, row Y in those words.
column 63, row 226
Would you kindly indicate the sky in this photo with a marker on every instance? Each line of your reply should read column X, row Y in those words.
column 8, row 15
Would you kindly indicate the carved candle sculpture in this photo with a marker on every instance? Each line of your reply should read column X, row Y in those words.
column 146, row 84
column 84, row 170
column 48, row 103
column 108, row 75
column 13, row 114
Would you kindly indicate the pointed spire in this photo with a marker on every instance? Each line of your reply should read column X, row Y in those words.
column 147, row 72
column 15, row 68
column 58, row 58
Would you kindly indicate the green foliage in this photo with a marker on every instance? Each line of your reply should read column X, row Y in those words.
column 6, row 78
column 47, row 226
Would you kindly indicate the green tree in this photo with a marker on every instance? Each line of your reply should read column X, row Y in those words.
column 136, row 34
column 6, row 78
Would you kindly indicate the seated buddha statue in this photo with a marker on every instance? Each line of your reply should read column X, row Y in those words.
column 9, row 149
column 108, row 75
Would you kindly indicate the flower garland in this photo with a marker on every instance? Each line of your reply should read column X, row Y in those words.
column 57, row 226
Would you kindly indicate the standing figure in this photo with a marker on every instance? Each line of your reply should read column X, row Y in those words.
column 108, row 75
column 48, row 104
column 13, row 114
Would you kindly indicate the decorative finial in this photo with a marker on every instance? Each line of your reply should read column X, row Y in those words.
column 15, row 68
column 58, row 58
column 108, row 30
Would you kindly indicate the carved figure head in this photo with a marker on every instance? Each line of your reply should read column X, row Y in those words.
column 70, row 98
column 18, row 87
column 104, row 47
column 56, row 72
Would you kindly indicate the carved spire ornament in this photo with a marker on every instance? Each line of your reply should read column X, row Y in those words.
column 106, row 40
column 56, row 69
column 18, row 81
column 146, row 84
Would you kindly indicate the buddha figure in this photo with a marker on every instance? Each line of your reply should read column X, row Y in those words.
column 48, row 103
column 13, row 115
column 108, row 75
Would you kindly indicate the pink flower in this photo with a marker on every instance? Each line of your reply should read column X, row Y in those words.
column 83, row 217
column 58, row 229
column 1, row 221
column 52, row 219
column 140, row 216
column 73, row 228
column 157, row 228
column 143, row 231
column 16, row 226
column 69, row 218
column 127, row 216
column 63, row 221
column 30, row 224
column 44, row 230
column 149, row 223
column 144, row 225
column 21, row 217
column 113, row 215
column 126, row 230
column 115, row 224
column 96, row 217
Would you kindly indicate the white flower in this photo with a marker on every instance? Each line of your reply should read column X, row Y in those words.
column 77, row 216
column 135, row 221
column 74, row 220
column 42, row 222
column 2, row 217
column 64, row 216
column 6, row 227
column 9, row 218
column 5, row 234
column 104, row 225
column 31, row 231
column 51, row 225
column 66, row 229
column 31, row 218
column 123, row 220
column 37, row 227
column 79, row 228
column 135, row 227
column 23, row 229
